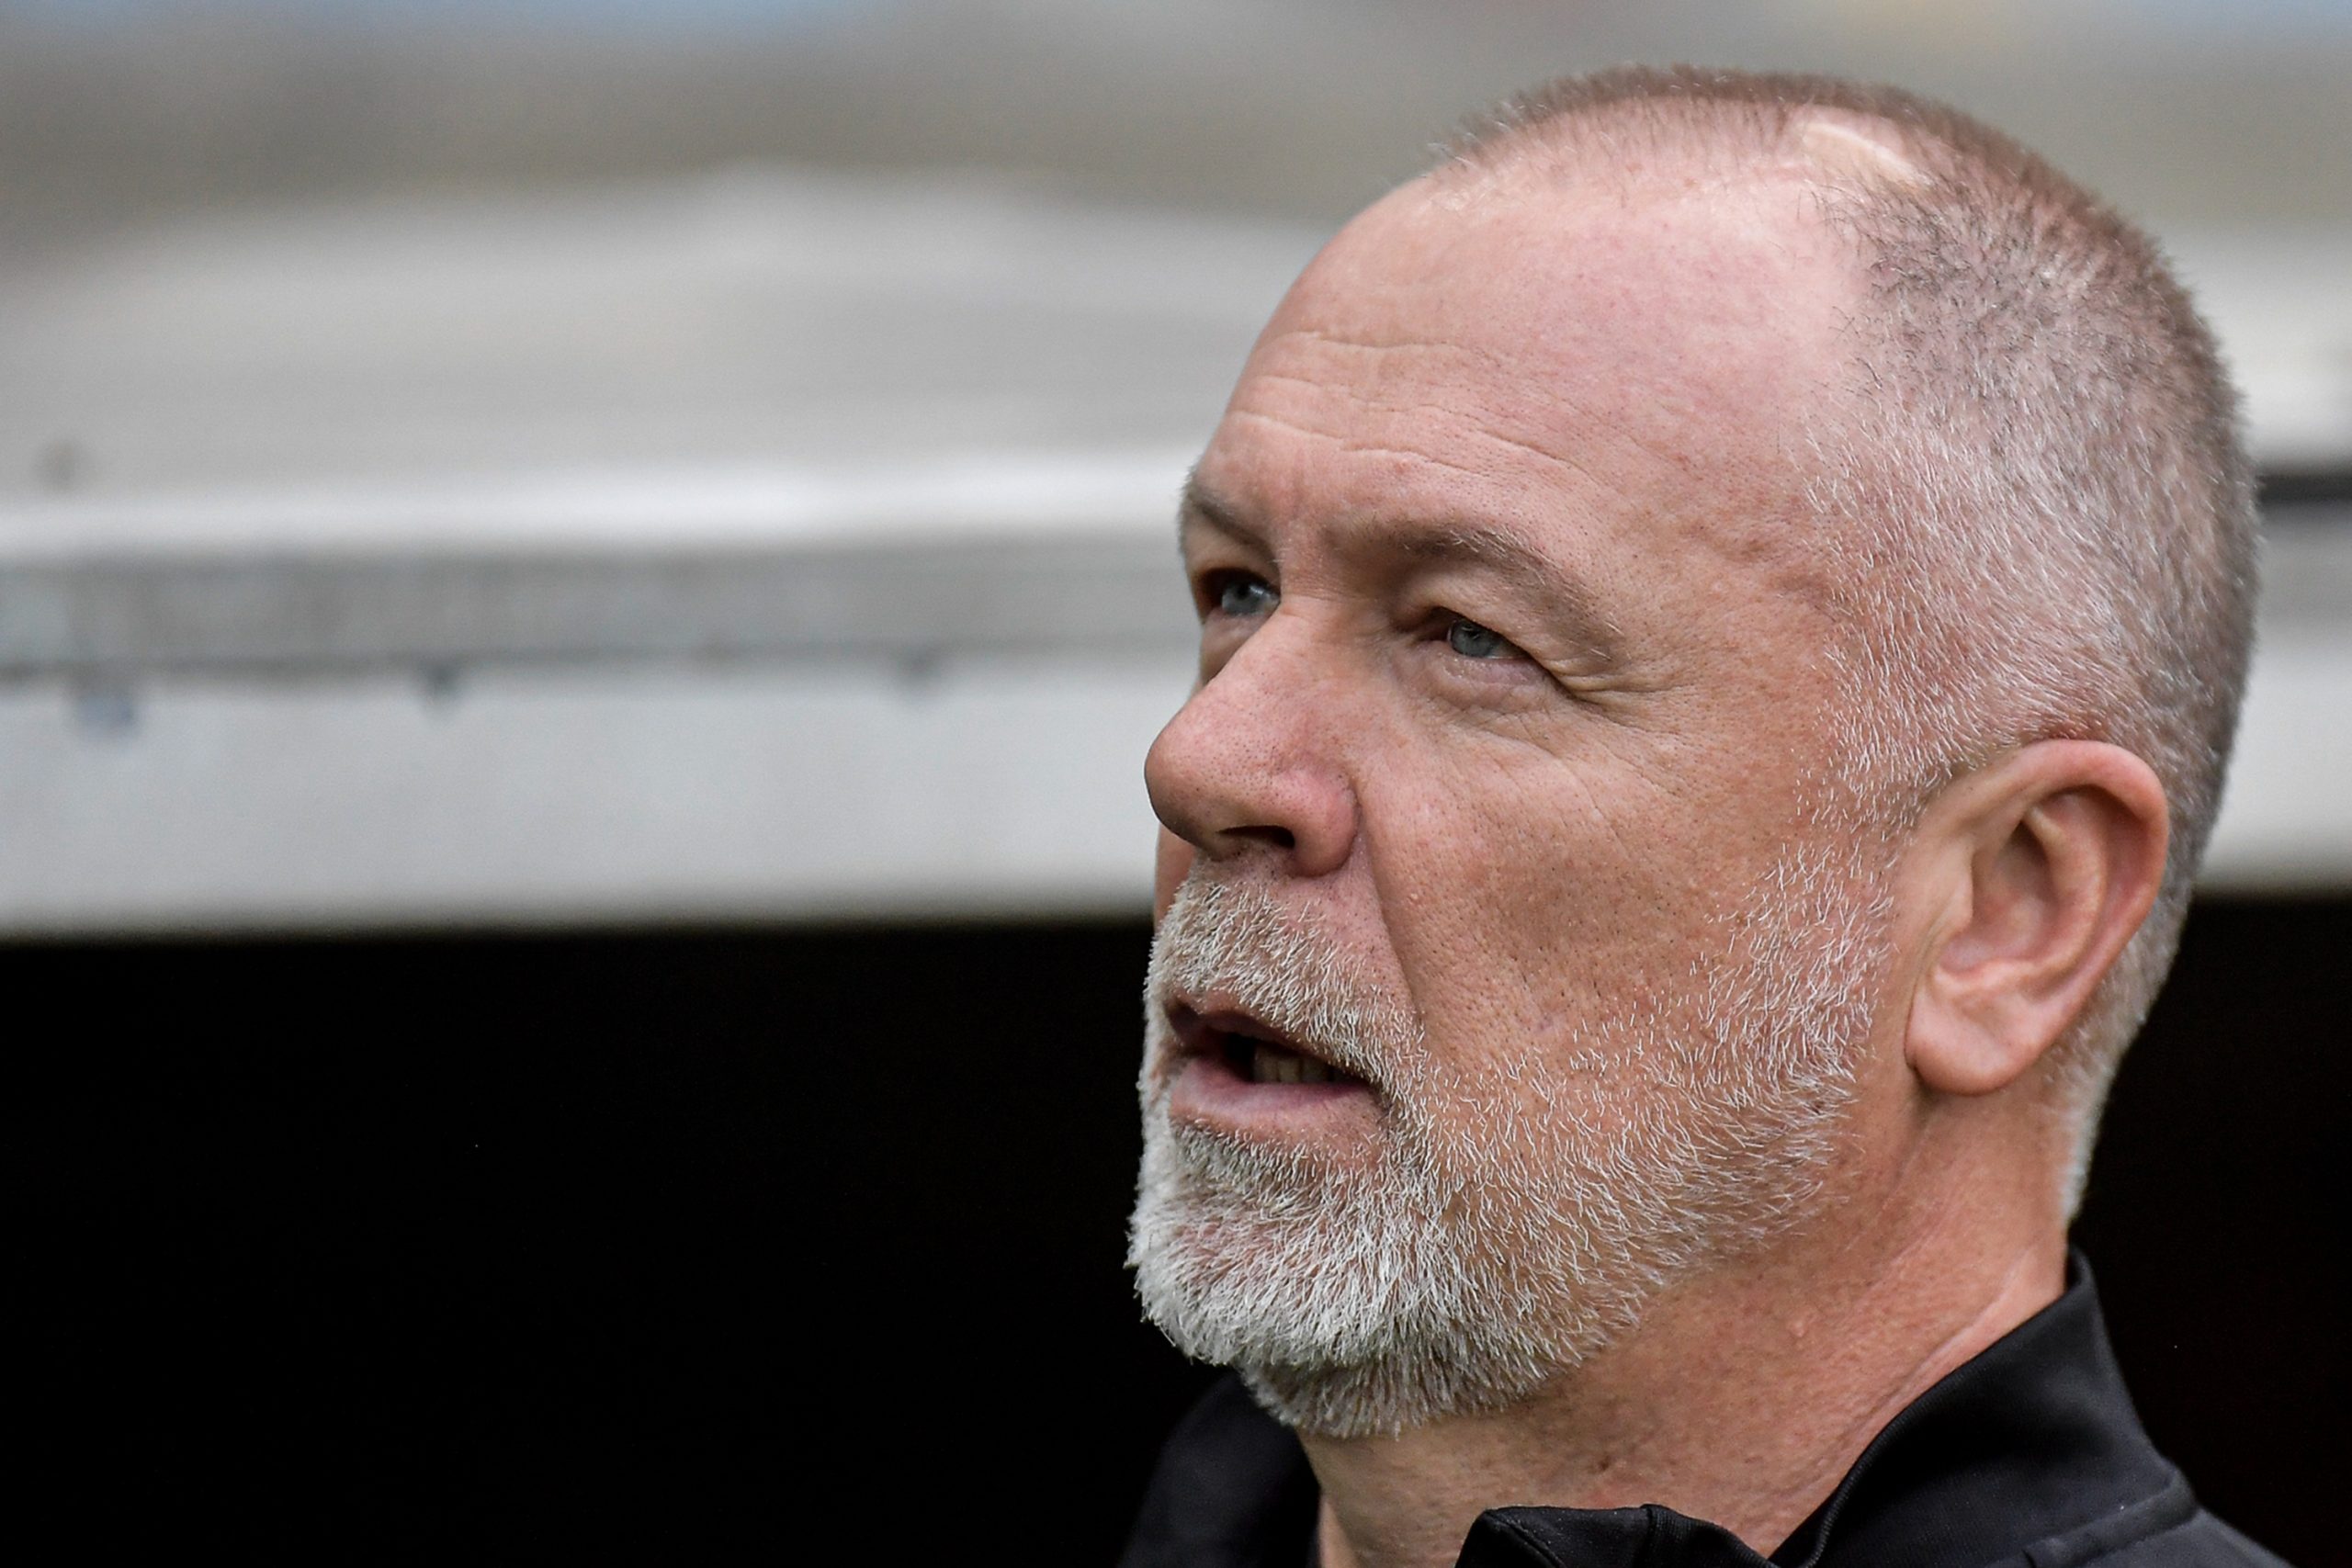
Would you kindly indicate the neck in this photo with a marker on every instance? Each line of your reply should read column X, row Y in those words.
column 1742, row 1398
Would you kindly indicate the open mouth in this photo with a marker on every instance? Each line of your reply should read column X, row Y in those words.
column 1262, row 1061
column 1251, row 1052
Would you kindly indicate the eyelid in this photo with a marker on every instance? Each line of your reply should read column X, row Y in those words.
column 1452, row 618
column 1509, row 679
column 1209, row 583
column 1437, row 622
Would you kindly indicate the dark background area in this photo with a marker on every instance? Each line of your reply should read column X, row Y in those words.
column 763, row 1240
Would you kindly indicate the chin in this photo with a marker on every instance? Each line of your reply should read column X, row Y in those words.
column 1350, row 1307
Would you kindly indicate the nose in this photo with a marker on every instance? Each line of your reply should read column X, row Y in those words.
column 1250, row 765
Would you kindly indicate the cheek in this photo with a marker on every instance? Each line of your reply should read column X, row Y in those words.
column 1531, row 904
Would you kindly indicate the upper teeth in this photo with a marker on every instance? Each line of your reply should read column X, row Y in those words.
column 1271, row 1063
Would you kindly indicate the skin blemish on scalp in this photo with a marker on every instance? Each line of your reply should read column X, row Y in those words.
column 1847, row 148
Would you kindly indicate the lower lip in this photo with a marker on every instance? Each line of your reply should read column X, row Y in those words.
column 1208, row 1092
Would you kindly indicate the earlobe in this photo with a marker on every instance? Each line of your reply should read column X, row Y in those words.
column 2041, row 866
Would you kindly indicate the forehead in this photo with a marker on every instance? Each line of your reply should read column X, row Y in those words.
column 1604, row 356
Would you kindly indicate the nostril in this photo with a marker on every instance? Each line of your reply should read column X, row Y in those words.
column 1277, row 837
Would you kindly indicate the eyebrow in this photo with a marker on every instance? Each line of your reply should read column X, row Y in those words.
column 1202, row 503
column 1455, row 543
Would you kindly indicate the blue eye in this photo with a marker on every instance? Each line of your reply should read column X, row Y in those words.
column 1472, row 640
column 1240, row 593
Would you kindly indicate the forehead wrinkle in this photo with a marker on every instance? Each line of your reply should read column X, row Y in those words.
column 1482, row 412
column 1360, row 449
column 1463, row 417
column 1369, row 345
column 1485, row 430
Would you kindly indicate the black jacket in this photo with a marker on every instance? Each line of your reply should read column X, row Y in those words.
column 2028, row 1457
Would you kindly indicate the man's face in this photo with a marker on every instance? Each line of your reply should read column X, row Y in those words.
column 1512, row 967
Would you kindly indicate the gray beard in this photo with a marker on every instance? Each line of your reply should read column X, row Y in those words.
column 1492, row 1247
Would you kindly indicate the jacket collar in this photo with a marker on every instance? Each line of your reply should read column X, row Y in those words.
column 2032, row 1443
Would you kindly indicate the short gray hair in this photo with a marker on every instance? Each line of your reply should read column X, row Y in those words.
column 2037, row 475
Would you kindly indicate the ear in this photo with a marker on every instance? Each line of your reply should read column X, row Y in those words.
column 2040, row 866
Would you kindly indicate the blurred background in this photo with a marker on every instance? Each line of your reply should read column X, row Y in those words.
column 582, row 589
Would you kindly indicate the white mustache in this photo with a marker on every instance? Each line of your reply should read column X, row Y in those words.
column 1232, row 944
